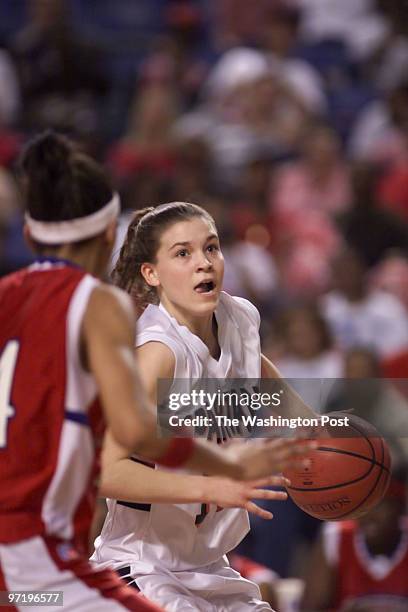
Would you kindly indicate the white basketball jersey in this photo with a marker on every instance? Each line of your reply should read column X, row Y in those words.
column 185, row 536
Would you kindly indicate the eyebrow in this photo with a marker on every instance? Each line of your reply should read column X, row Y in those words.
column 187, row 242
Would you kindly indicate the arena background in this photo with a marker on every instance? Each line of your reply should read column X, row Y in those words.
column 287, row 120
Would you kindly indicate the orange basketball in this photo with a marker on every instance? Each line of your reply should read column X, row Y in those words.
column 348, row 474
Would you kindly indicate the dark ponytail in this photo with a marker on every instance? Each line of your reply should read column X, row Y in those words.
column 126, row 273
column 60, row 182
column 142, row 243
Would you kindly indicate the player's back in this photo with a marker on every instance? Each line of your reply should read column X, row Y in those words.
column 46, row 446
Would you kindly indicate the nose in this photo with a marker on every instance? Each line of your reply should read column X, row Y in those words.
column 203, row 262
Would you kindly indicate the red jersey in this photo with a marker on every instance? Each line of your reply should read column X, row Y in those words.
column 48, row 412
column 378, row 582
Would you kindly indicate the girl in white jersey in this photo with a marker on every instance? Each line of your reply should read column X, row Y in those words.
column 165, row 530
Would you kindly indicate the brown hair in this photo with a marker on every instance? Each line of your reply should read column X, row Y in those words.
column 311, row 311
column 142, row 243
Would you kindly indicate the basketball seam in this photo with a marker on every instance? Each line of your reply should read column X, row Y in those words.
column 353, row 454
column 371, row 490
column 383, row 470
column 336, row 486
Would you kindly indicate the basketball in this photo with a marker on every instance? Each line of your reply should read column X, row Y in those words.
column 348, row 474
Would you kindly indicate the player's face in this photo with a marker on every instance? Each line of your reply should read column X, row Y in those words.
column 189, row 267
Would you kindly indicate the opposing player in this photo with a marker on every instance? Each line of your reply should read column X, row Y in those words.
column 175, row 552
column 64, row 336
column 362, row 565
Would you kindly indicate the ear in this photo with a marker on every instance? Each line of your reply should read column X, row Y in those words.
column 148, row 271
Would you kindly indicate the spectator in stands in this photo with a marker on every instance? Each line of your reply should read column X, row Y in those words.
column 308, row 352
column 368, row 227
column 391, row 275
column 236, row 22
column 248, row 107
column 279, row 37
column 356, row 22
column 362, row 389
column 61, row 77
column 319, row 180
column 9, row 91
column 359, row 316
column 242, row 257
column 390, row 65
column 380, row 131
column 193, row 172
column 148, row 141
column 393, row 189
column 13, row 250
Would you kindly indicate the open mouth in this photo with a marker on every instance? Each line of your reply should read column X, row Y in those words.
column 205, row 287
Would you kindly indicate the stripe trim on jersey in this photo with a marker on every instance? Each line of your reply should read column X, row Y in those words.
column 76, row 417
column 126, row 576
column 148, row 464
column 135, row 506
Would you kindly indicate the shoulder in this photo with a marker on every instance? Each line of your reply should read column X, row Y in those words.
column 155, row 326
column 159, row 346
column 240, row 309
column 109, row 310
column 157, row 358
column 109, row 298
column 154, row 319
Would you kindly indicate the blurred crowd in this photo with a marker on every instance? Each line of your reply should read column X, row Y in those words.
column 286, row 119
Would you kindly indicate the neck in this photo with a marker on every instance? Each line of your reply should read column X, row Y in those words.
column 355, row 294
column 321, row 171
column 87, row 256
column 204, row 327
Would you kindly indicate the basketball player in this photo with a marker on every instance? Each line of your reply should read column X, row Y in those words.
column 175, row 552
column 362, row 565
column 64, row 336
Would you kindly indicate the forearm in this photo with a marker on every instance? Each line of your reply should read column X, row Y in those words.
column 130, row 481
column 213, row 460
column 203, row 456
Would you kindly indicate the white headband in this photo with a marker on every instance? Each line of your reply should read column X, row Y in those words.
column 74, row 230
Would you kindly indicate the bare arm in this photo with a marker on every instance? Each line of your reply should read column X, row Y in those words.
column 128, row 480
column 292, row 404
column 108, row 336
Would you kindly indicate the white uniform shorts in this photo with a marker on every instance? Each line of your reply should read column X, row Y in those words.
column 214, row 588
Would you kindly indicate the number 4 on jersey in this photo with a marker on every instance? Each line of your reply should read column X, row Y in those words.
column 8, row 360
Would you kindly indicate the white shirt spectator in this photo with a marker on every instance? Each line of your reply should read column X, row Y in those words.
column 250, row 271
column 312, row 378
column 375, row 137
column 304, row 80
column 379, row 322
column 354, row 21
column 393, row 67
